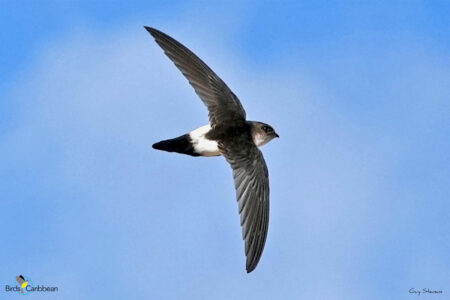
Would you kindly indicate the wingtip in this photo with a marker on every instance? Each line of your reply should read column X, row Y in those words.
column 250, row 268
column 154, row 32
column 150, row 29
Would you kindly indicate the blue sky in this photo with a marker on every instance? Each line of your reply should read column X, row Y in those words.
column 360, row 178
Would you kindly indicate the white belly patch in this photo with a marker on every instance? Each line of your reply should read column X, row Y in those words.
column 201, row 144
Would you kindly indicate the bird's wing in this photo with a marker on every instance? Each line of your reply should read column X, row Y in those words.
column 251, row 180
column 222, row 103
column 20, row 280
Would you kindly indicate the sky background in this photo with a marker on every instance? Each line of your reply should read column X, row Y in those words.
column 359, row 92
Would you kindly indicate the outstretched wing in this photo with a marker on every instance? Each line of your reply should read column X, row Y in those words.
column 222, row 103
column 251, row 180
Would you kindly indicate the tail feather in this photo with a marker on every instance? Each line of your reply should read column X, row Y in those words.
column 181, row 144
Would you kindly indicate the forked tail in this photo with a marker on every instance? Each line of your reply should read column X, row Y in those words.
column 181, row 144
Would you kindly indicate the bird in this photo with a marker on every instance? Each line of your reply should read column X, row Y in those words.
column 22, row 282
column 228, row 134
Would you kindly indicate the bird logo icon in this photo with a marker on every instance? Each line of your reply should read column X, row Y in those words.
column 22, row 282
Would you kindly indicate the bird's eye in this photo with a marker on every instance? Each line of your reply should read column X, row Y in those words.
column 267, row 128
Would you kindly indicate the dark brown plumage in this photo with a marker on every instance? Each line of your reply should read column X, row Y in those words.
column 236, row 141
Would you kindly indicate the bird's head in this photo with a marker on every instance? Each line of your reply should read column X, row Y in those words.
column 262, row 133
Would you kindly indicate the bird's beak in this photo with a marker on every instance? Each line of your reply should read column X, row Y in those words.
column 276, row 134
